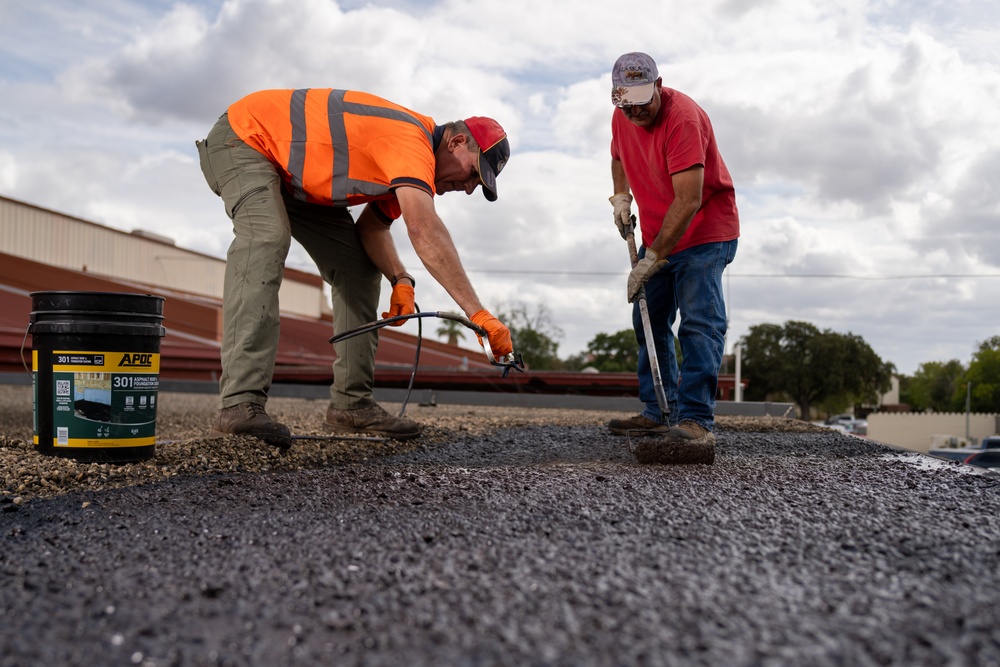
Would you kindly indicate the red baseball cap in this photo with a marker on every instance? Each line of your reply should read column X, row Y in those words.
column 494, row 149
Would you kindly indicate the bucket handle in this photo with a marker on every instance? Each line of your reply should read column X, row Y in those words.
column 23, row 341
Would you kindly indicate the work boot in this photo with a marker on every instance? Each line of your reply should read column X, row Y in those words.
column 251, row 419
column 371, row 419
column 638, row 423
column 691, row 433
column 688, row 442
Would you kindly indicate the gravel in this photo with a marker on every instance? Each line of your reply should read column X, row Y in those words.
column 503, row 536
column 185, row 446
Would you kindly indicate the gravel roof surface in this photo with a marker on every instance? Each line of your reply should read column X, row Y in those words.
column 503, row 536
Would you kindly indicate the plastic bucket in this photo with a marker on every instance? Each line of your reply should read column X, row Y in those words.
column 95, row 364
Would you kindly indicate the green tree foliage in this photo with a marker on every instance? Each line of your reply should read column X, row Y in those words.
column 615, row 352
column 936, row 386
column 984, row 374
column 534, row 335
column 867, row 376
column 811, row 367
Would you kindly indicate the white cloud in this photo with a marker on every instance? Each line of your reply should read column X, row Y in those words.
column 861, row 136
column 8, row 172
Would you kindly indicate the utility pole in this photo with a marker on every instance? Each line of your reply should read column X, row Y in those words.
column 738, row 390
column 968, row 405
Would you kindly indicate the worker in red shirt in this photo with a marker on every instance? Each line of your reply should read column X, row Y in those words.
column 288, row 164
column 664, row 158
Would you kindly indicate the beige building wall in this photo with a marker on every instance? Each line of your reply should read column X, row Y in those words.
column 918, row 430
column 891, row 397
column 72, row 243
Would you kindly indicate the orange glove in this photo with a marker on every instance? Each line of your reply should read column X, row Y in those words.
column 400, row 303
column 496, row 333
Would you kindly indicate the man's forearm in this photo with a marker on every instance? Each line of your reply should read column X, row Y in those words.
column 377, row 241
column 675, row 223
column 618, row 179
column 687, row 186
column 435, row 248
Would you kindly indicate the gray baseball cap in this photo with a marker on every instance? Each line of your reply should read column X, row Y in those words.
column 632, row 79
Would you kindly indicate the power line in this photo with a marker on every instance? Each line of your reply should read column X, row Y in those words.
column 831, row 276
column 841, row 276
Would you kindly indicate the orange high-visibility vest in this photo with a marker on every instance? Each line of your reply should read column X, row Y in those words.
column 338, row 147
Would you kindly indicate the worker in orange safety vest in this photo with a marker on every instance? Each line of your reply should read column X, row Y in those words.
column 288, row 164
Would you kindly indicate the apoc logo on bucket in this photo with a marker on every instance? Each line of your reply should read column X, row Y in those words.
column 136, row 359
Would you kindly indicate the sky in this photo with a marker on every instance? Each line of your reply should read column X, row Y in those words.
column 863, row 137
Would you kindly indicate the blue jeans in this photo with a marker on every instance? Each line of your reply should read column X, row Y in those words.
column 690, row 285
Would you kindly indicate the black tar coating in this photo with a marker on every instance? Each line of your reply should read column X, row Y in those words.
column 661, row 451
column 534, row 546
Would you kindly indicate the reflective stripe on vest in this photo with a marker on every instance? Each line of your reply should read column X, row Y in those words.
column 336, row 108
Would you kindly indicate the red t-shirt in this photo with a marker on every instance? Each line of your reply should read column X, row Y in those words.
column 682, row 137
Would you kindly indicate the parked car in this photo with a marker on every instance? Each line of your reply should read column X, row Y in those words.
column 988, row 458
column 849, row 423
column 983, row 453
column 990, row 442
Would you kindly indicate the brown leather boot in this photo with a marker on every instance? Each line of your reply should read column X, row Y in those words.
column 636, row 424
column 691, row 433
column 251, row 419
column 371, row 419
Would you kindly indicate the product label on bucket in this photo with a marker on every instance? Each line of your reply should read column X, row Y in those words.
column 104, row 399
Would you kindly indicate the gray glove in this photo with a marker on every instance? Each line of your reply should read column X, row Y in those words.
column 623, row 212
column 644, row 268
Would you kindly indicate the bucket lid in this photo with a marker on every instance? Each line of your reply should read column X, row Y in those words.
column 54, row 301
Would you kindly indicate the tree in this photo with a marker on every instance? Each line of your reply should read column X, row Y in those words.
column 614, row 352
column 867, row 377
column 534, row 335
column 811, row 367
column 778, row 363
column 763, row 358
column 937, row 386
column 451, row 331
column 984, row 374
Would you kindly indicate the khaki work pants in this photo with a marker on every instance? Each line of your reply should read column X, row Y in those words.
column 264, row 222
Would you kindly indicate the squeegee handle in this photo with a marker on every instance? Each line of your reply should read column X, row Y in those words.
column 647, row 327
column 633, row 254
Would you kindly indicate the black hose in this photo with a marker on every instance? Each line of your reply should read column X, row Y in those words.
column 372, row 326
column 416, row 362
column 516, row 363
